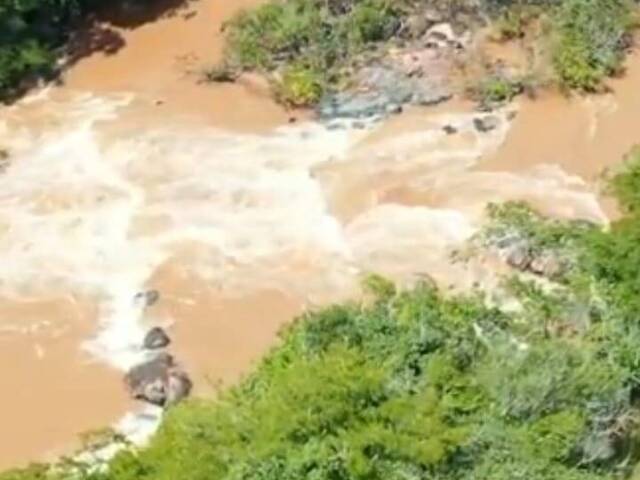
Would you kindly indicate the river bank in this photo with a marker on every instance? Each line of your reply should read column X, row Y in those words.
column 133, row 176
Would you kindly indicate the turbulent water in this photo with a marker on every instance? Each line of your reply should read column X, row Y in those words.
column 98, row 212
column 237, row 231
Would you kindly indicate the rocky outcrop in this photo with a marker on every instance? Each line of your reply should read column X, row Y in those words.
column 159, row 381
column 383, row 91
column 521, row 256
column 418, row 74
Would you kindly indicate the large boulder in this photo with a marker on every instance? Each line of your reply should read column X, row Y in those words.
column 159, row 381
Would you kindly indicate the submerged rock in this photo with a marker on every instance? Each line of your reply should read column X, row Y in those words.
column 159, row 381
column 146, row 298
column 156, row 338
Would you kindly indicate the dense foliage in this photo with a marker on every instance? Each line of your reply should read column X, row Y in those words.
column 28, row 31
column 315, row 39
column 414, row 384
column 591, row 37
column 312, row 44
column 34, row 35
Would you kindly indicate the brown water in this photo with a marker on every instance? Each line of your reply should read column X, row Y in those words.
column 132, row 176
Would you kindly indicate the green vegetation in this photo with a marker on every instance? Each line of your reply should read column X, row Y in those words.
column 316, row 39
column 29, row 30
column 323, row 41
column 413, row 384
column 34, row 35
column 495, row 90
column 591, row 38
column 299, row 86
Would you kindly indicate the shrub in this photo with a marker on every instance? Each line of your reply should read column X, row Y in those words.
column 495, row 90
column 299, row 86
column 590, row 41
column 313, row 41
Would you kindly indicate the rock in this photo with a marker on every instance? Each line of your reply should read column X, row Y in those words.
column 486, row 123
column 432, row 97
column 547, row 265
column 353, row 105
column 519, row 256
column 159, row 381
column 432, row 16
column 449, row 129
column 179, row 387
column 146, row 298
column 416, row 26
column 382, row 91
column 156, row 338
column 393, row 108
column 442, row 35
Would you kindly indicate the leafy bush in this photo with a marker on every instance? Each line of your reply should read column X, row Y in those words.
column 299, row 86
column 590, row 40
column 495, row 90
column 313, row 41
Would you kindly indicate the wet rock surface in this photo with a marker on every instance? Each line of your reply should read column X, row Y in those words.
column 156, row 339
column 159, row 381
column 419, row 74
column 486, row 123
column 384, row 92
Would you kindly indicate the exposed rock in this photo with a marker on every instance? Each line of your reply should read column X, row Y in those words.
column 519, row 256
column 486, row 123
column 449, row 129
column 547, row 265
column 382, row 90
column 415, row 26
column 158, row 381
column 393, row 108
column 442, row 35
column 146, row 298
column 156, row 338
